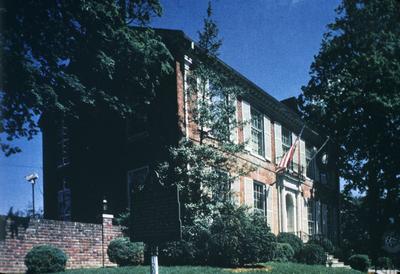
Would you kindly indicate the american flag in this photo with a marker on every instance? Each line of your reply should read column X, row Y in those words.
column 288, row 156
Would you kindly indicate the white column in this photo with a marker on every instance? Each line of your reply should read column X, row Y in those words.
column 299, row 213
column 283, row 215
column 294, row 199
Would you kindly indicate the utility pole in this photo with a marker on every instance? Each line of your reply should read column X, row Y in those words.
column 32, row 180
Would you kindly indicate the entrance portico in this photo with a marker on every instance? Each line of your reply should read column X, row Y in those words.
column 291, row 207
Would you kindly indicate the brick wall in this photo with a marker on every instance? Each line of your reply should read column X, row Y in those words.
column 85, row 244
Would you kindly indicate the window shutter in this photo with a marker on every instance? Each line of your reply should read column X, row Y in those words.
column 303, row 162
column 278, row 142
column 234, row 129
column 247, row 124
column 324, row 213
column 305, row 216
column 267, row 137
column 317, row 217
column 235, row 191
column 296, row 153
column 248, row 192
column 269, row 206
column 317, row 177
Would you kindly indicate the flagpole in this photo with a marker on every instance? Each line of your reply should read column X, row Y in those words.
column 318, row 151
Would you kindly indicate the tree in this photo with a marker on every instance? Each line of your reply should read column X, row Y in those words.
column 354, row 97
column 66, row 58
column 205, row 168
column 353, row 225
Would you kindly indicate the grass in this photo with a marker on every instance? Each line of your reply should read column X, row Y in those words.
column 270, row 268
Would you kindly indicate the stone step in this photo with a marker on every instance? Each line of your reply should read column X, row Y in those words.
column 338, row 265
column 334, row 262
column 388, row 271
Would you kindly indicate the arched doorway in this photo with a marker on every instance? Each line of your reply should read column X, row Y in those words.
column 290, row 213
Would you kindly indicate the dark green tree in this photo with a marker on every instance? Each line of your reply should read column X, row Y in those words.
column 65, row 58
column 353, row 223
column 354, row 97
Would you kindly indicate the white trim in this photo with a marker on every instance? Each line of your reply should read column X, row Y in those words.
column 258, row 156
column 185, row 94
column 290, row 185
column 188, row 59
column 269, row 204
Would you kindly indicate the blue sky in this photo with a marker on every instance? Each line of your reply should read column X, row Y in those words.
column 271, row 42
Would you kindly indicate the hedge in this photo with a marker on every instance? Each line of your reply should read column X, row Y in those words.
column 360, row 262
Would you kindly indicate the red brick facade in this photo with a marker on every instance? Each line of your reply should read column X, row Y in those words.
column 293, row 186
column 85, row 244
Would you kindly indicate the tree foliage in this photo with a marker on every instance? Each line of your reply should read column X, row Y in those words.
column 204, row 164
column 233, row 238
column 70, row 57
column 354, row 97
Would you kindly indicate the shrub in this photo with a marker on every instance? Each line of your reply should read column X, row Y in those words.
column 232, row 237
column 312, row 254
column 384, row 263
column 191, row 250
column 123, row 252
column 359, row 262
column 325, row 243
column 284, row 252
column 239, row 238
column 295, row 242
column 45, row 259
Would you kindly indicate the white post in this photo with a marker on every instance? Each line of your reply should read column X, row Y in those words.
column 154, row 259
column 283, row 205
column 298, row 227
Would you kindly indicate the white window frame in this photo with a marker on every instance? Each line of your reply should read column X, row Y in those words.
column 260, row 130
column 259, row 196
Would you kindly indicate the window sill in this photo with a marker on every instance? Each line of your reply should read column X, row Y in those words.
column 258, row 156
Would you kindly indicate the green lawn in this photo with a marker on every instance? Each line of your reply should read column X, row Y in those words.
column 270, row 268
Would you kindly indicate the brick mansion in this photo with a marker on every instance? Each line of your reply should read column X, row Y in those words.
column 79, row 170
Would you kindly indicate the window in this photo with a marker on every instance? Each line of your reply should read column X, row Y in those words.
column 257, row 132
column 222, row 190
column 310, row 164
column 286, row 143
column 310, row 210
column 63, row 147
column 136, row 126
column 136, row 180
column 259, row 197
column 324, row 178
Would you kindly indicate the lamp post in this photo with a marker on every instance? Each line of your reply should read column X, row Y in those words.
column 32, row 180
